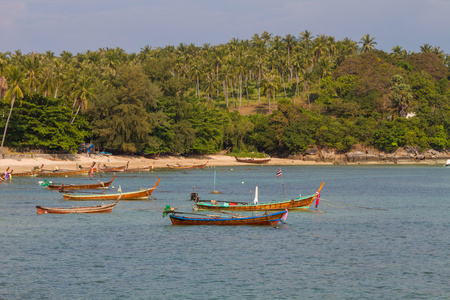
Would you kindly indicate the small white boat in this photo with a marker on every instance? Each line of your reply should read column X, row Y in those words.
column 447, row 164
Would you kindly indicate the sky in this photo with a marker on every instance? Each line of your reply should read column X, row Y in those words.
column 77, row 26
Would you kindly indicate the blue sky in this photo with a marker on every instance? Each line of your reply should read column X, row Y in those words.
column 80, row 25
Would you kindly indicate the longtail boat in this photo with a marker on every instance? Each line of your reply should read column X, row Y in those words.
column 144, row 169
column 142, row 194
column 97, row 185
column 300, row 203
column 57, row 172
column 252, row 160
column 152, row 156
column 192, row 166
column 138, row 170
column 32, row 173
column 103, row 208
column 6, row 175
column 265, row 219
column 3, row 174
column 113, row 169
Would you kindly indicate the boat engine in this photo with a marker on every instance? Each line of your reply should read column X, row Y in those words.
column 194, row 197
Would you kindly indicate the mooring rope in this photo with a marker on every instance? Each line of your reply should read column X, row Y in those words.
column 156, row 209
column 350, row 205
column 337, row 206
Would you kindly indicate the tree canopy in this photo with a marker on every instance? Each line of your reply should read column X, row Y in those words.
column 301, row 91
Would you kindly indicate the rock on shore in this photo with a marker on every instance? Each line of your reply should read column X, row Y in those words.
column 401, row 155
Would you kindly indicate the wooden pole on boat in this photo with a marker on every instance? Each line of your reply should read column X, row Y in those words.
column 214, row 191
column 280, row 174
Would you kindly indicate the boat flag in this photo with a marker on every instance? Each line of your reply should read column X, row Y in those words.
column 279, row 173
column 282, row 185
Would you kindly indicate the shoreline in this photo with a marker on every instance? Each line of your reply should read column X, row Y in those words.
column 25, row 163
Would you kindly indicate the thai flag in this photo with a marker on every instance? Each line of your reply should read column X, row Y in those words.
column 279, row 173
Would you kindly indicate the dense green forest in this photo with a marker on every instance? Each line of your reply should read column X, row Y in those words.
column 275, row 94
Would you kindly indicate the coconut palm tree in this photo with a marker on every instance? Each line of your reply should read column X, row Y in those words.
column 306, row 39
column 16, row 79
column 367, row 43
column 83, row 91
column 426, row 48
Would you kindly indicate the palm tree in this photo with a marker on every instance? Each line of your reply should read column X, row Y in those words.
column 16, row 78
column 46, row 78
column 347, row 47
column 437, row 50
column 324, row 68
column 82, row 93
column 426, row 48
column 306, row 39
column 308, row 77
column 401, row 95
column 368, row 43
column 397, row 52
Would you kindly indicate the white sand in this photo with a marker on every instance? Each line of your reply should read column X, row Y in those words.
column 21, row 164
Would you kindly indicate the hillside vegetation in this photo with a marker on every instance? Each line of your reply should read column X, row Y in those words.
column 280, row 95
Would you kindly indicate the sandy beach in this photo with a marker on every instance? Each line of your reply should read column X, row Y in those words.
column 24, row 163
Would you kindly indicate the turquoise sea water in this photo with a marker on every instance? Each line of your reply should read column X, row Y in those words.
column 402, row 252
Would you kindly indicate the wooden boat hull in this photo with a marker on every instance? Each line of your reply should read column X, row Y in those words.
column 32, row 173
column 138, row 170
column 301, row 203
column 253, row 160
column 266, row 219
column 26, row 174
column 114, row 169
column 137, row 195
column 152, row 156
column 77, row 172
column 104, row 208
column 83, row 172
column 118, row 169
column 63, row 187
column 187, row 166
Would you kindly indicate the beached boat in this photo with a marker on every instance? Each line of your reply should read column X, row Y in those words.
column 97, row 185
column 232, row 219
column 447, row 163
column 104, row 168
column 300, row 203
column 83, row 172
column 4, row 176
column 192, row 166
column 152, row 156
column 32, row 173
column 142, row 194
column 58, row 172
column 138, row 170
column 252, row 160
column 103, row 208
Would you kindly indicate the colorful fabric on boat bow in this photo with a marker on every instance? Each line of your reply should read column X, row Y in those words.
column 317, row 199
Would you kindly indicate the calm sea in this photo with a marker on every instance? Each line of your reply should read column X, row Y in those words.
column 400, row 251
